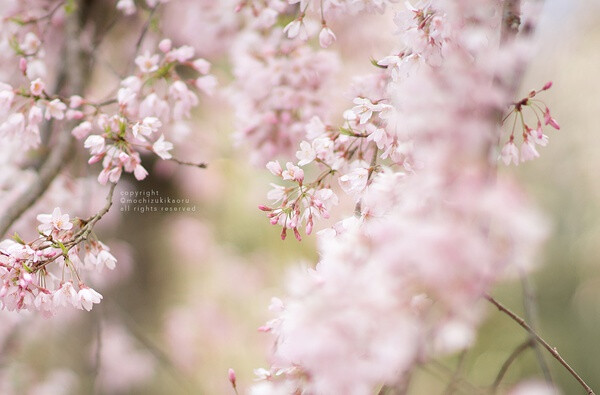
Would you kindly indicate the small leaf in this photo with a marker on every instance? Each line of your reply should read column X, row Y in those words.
column 374, row 63
column 346, row 132
column 18, row 238
column 63, row 248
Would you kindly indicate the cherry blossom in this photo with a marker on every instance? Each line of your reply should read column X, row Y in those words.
column 162, row 147
column 55, row 221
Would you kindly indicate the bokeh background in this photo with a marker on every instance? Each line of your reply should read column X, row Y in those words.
column 191, row 289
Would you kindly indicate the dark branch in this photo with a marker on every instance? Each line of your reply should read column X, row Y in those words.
column 538, row 338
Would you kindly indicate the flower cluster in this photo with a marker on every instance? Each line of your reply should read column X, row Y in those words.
column 531, row 136
column 46, row 274
column 347, row 154
column 280, row 85
column 23, row 110
column 146, row 101
column 424, row 30
column 325, row 10
column 298, row 204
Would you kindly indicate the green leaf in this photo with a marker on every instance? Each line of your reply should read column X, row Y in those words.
column 14, row 44
column 374, row 63
column 62, row 247
column 347, row 132
column 17, row 20
column 18, row 238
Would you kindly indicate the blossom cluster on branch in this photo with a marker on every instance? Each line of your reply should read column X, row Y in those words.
column 400, row 281
column 47, row 273
column 159, row 91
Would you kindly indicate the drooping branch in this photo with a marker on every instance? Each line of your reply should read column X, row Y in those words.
column 540, row 340
column 509, row 361
column 529, row 305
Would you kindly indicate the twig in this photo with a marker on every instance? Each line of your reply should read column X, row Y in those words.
column 530, row 314
column 456, row 374
column 85, row 231
column 400, row 388
column 443, row 372
column 48, row 15
column 82, row 234
column 530, row 342
column 193, row 164
column 538, row 338
column 140, row 40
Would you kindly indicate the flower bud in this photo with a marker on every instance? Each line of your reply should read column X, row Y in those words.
column 326, row 37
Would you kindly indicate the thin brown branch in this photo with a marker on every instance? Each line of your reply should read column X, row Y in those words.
column 552, row 350
column 443, row 373
column 89, row 226
column 47, row 16
column 529, row 306
column 83, row 233
column 142, row 36
column 509, row 361
column 456, row 374
column 201, row 165
column 145, row 29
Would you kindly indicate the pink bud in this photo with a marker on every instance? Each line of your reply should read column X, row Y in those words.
column 297, row 234
column 95, row 158
column 74, row 114
column 283, row 233
column 165, row 45
column 547, row 86
column 23, row 65
column 550, row 121
column 264, row 328
column 264, row 208
column 232, row 377
column 309, row 225
column 275, row 168
column 326, row 37
column 75, row 101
